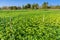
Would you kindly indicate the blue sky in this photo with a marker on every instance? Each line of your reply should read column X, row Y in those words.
column 23, row 2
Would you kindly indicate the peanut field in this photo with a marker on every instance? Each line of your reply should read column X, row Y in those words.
column 29, row 24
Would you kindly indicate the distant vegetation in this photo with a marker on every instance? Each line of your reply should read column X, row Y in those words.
column 31, row 6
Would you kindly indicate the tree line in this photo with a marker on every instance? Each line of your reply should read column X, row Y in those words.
column 31, row 6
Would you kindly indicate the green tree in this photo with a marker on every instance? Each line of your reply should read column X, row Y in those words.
column 35, row 6
column 57, row 7
column 27, row 6
column 18, row 8
column 13, row 7
column 23, row 7
column 45, row 5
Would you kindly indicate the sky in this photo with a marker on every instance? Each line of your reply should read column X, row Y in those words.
column 23, row 2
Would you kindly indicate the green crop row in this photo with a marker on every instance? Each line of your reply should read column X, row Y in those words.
column 30, row 26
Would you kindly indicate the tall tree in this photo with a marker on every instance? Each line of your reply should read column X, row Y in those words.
column 35, row 6
column 45, row 5
column 27, row 6
column 23, row 7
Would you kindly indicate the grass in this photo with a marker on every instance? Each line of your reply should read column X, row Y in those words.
column 30, row 25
